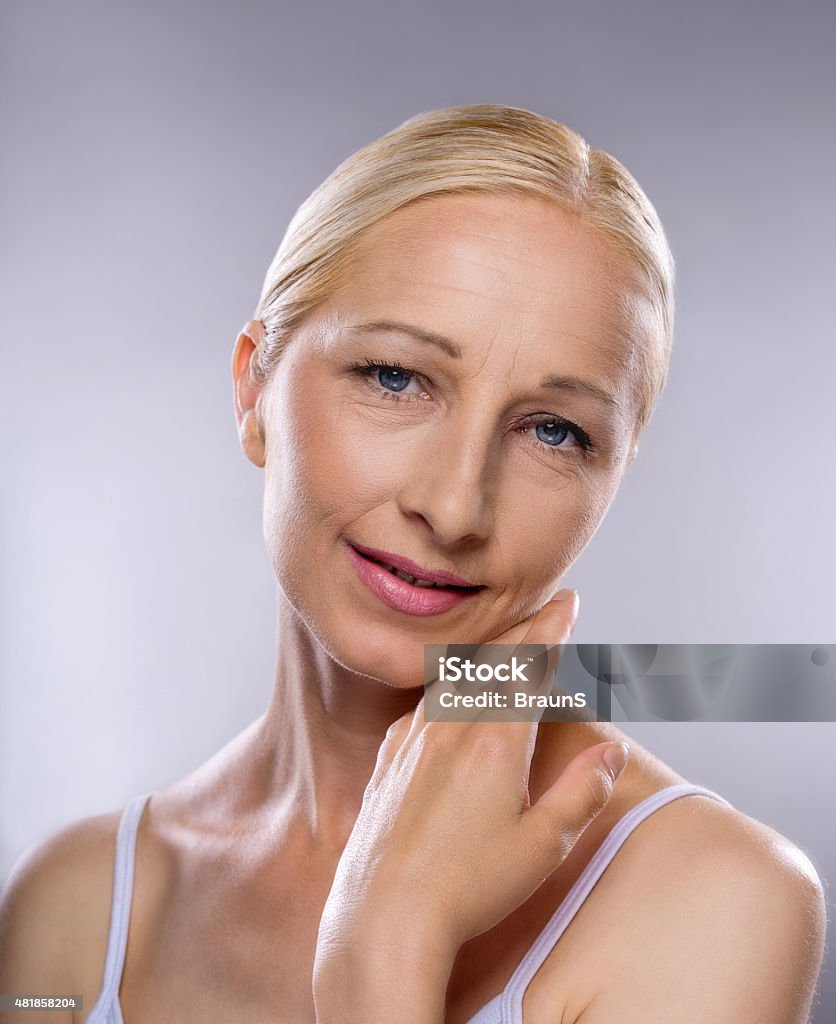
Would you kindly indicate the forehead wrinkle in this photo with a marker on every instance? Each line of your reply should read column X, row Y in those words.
column 497, row 261
column 511, row 270
column 412, row 244
column 618, row 308
column 612, row 318
column 563, row 237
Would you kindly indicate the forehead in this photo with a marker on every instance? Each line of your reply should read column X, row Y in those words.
column 518, row 275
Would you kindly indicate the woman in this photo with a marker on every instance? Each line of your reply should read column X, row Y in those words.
column 456, row 349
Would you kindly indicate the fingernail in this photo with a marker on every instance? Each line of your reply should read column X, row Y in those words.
column 615, row 757
column 564, row 595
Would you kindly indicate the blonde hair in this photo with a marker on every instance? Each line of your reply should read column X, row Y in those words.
column 483, row 148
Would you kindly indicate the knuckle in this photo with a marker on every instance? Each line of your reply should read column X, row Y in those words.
column 551, row 845
column 489, row 742
column 437, row 736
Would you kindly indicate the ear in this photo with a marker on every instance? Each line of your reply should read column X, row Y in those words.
column 245, row 396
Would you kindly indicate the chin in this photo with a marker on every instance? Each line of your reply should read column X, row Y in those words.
column 368, row 649
column 385, row 658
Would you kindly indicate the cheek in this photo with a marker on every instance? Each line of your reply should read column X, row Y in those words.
column 584, row 520
column 327, row 465
column 548, row 532
column 343, row 463
column 583, row 517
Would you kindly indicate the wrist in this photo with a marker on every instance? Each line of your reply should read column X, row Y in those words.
column 382, row 973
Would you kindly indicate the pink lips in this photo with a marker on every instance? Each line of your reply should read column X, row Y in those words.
column 413, row 568
column 402, row 595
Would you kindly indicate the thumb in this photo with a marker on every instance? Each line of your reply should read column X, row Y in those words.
column 575, row 798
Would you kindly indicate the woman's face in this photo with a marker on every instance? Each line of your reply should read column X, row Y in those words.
column 466, row 399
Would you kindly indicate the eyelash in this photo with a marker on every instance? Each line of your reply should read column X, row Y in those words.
column 370, row 366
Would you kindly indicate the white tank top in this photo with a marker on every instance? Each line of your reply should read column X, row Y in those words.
column 505, row 1008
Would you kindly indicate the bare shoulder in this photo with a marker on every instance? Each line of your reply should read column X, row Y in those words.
column 55, row 912
column 704, row 914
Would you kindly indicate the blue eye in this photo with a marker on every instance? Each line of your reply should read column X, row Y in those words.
column 553, row 432
column 393, row 378
column 387, row 379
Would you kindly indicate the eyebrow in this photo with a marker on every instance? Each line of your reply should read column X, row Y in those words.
column 559, row 382
column 447, row 346
column 580, row 384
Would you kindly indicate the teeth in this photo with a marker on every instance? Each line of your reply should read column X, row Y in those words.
column 409, row 579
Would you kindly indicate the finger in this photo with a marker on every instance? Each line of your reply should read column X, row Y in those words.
column 555, row 620
column 528, row 753
column 416, row 719
column 393, row 740
column 566, row 599
column 549, row 629
column 552, row 628
column 558, row 819
column 557, row 617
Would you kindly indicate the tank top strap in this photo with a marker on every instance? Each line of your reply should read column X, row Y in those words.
column 123, row 878
column 511, row 998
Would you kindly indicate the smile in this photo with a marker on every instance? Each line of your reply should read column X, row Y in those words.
column 417, row 581
column 404, row 591
column 411, row 572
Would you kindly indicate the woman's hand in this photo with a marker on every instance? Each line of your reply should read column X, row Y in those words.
column 446, row 843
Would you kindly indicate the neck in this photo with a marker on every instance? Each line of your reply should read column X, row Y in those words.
column 302, row 768
column 318, row 740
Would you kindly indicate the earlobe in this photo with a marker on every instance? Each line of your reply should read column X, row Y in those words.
column 245, row 395
column 252, row 438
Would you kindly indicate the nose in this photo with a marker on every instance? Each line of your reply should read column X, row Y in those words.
column 452, row 484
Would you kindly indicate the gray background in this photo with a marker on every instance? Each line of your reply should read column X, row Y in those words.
column 152, row 156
